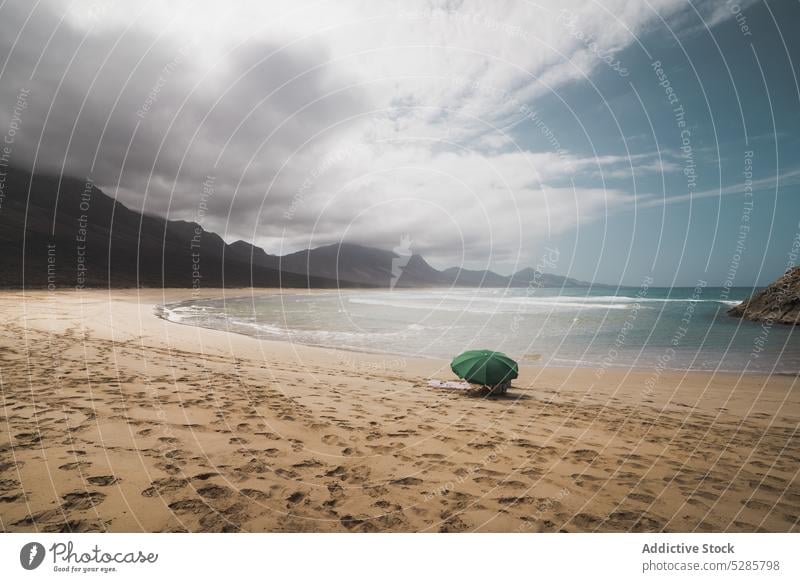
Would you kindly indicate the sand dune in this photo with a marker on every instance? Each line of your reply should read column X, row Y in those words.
column 115, row 420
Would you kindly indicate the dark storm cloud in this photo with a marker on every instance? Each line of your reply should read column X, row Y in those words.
column 143, row 111
column 354, row 128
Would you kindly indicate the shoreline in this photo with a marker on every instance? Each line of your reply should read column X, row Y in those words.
column 160, row 309
column 116, row 420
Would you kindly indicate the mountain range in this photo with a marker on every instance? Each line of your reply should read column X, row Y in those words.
column 65, row 232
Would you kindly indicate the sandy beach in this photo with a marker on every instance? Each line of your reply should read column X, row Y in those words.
column 116, row 420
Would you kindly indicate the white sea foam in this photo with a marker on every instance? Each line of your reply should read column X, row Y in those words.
column 579, row 300
column 487, row 305
column 566, row 329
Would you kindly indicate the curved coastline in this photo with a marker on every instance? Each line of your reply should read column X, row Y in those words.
column 169, row 312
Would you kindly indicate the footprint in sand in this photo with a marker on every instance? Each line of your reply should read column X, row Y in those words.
column 453, row 524
column 434, row 456
column 336, row 472
column 584, row 521
column 287, row 474
column 102, row 480
column 296, row 497
column 583, row 455
column 307, row 464
column 757, row 504
column 192, row 506
column 523, row 500
column 27, row 438
column 165, row 485
column 406, row 481
column 642, row 522
column 204, row 476
column 330, row 439
column 6, row 466
column 643, row 497
column 214, row 492
column 82, row 500
column 75, row 465
column 350, row 522
column 169, row 468
column 255, row 494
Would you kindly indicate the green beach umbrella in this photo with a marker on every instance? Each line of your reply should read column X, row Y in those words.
column 484, row 367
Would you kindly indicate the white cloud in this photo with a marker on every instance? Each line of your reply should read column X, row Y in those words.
column 418, row 91
column 768, row 185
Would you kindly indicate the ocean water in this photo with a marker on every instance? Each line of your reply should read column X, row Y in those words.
column 675, row 329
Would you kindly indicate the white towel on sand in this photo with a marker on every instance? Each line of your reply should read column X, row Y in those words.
column 444, row 385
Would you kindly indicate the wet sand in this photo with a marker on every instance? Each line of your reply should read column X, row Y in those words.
column 115, row 420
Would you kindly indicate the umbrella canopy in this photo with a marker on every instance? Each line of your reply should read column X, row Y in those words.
column 484, row 367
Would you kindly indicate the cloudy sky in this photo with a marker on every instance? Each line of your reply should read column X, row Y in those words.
column 639, row 138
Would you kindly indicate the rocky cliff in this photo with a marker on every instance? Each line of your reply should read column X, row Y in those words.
column 779, row 303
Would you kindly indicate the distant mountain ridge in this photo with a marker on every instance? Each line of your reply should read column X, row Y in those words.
column 368, row 265
column 69, row 233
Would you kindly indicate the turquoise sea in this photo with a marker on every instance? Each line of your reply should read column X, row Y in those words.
column 672, row 328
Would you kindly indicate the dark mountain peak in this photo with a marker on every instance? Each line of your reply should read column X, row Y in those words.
column 241, row 245
column 416, row 260
column 249, row 253
column 184, row 227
